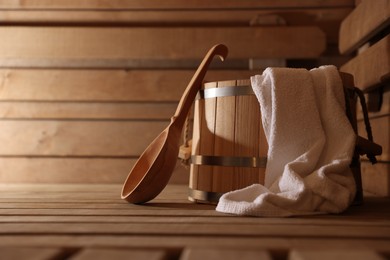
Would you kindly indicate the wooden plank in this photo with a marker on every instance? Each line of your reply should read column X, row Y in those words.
column 10, row 253
column 225, row 116
column 363, row 23
column 150, row 218
column 253, row 243
column 86, row 110
column 109, row 45
column 293, row 16
column 169, row 4
column 358, row 254
column 101, row 85
column 246, row 137
column 202, row 175
column 327, row 19
column 371, row 66
column 380, row 130
column 223, row 253
column 182, row 241
column 77, row 138
column 64, row 170
column 107, row 253
column 376, row 178
column 384, row 109
column 73, row 170
column 195, row 229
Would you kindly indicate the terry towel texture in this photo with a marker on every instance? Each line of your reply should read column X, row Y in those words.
column 311, row 144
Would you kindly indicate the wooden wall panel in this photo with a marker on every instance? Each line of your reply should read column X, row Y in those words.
column 102, row 85
column 77, row 138
column 169, row 4
column 85, row 85
column 69, row 46
column 86, row 110
column 326, row 19
column 365, row 22
column 73, row 170
column 363, row 31
column 372, row 67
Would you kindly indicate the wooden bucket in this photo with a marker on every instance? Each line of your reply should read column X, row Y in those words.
column 229, row 147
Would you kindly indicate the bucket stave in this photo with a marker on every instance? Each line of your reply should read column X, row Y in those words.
column 229, row 147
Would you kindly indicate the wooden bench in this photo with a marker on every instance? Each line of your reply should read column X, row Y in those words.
column 366, row 31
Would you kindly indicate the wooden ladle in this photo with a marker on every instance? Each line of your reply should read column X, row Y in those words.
column 154, row 168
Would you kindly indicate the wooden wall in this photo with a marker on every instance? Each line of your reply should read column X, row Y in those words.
column 85, row 85
column 365, row 32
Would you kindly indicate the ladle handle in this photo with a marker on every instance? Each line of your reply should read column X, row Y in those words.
column 192, row 89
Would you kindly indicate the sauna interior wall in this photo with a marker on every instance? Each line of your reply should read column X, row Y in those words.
column 86, row 85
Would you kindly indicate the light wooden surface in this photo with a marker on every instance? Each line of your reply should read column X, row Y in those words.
column 84, row 169
column 227, row 126
column 365, row 31
column 168, row 4
column 92, row 222
column 372, row 67
column 89, row 85
column 366, row 20
column 327, row 19
column 75, row 46
column 87, row 81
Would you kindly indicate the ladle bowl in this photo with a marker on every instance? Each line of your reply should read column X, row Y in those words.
column 152, row 171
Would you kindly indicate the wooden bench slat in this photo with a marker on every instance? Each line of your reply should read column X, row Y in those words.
column 149, row 218
column 224, row 253
column 169, row 4
column 384, row 109
column 119, row 254
column 372, row 67
column 183, row 241
column 367, row 19
column 358, row 254
column 194, row 229
column 380, row 133
column 31, row 253
column 376, row 178
column 48, row 46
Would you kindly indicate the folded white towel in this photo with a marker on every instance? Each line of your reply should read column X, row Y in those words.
column 310, row 142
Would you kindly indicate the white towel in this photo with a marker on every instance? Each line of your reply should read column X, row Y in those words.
column 311, row 144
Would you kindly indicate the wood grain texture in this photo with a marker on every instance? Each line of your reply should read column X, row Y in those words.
column 380, row 130
column 101, row 85
column 376, row 178
column 86, row 110
column 223, row 177
column 359, row 254
column 171, row 4
column 371, row 66
column 327, row 19
column 73, row 170
column 384, row 109
column 202, row 175
column 112, row 253
column 363, row 23
column 33, row 253
column 223, row 253
column 76, row 138
column 92, row 220
column 74, row 44
column 247, row 137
